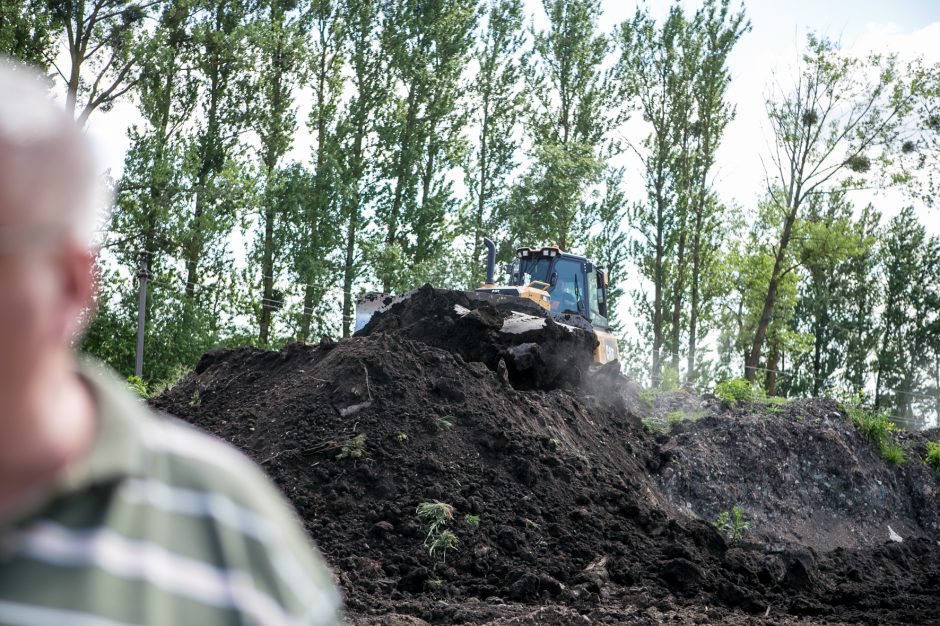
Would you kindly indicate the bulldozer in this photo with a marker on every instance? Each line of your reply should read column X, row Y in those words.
column 542, row 283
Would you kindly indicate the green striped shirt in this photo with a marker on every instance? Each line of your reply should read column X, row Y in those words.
column 159, row 524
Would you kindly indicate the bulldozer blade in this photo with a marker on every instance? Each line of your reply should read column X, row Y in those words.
column 372, row 303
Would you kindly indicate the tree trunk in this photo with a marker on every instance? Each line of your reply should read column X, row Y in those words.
column 772, row 361
column 753, row 359
column 401, row 174
column 694, row 303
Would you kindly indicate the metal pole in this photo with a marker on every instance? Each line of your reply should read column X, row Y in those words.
column 142, row 276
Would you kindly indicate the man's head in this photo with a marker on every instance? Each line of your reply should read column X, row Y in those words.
column 47, row 218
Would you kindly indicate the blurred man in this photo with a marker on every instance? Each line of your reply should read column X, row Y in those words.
column 110, row 515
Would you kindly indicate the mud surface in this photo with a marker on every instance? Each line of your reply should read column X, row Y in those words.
column 566, row 509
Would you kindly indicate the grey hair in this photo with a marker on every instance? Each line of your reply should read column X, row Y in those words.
column 31, row 120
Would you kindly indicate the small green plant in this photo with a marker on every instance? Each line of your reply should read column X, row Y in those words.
column 648, row 396
column 442, row 542
column 444, row 423
column 735, row 390
column 435, row 583
column 933, row 456
column 655, row 425
column 195, row 400
column 530, row 524
column 674, row 417
column 402, row 437
column 732, row 524
column 435, row 515
column 472, row 520
column 893, row 453
column 353, row 448
column 137, row 385
column 877, row 427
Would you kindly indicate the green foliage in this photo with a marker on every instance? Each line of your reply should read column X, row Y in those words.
column 472, row 520
column 441, row 543
column 735, row 390
column 401, row 436
column 933, row 456
column 893, row 453
column 27, row 31
column 732, row 524
column 876, row 426
column 435, row 515
column 444, row 423
column 138, row 386
column 353, row 448
column 670, row 380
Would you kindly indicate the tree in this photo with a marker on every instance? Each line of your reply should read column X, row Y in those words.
column 356, row 128
column 27, row 31
column 910, row 325
column 279, row 40
column 99, row 35
column 151, row 195
column 829, row 303
column 496, row 104
column 921, row 146
column 225, row 91
column 840, row 119
column 429, row 45
column 677, row 72
column 574, row 106
column 720, row 30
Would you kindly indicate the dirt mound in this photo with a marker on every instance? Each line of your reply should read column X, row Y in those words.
column 539, row 351
column 560, row 498
column 806, row 476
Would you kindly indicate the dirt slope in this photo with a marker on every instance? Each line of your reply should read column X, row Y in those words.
column 581, row 511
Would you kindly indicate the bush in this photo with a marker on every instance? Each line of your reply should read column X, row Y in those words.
column 933, row 456
column 735, row 390
column 893, row 453
column 876, row 426
column 732, row 524
column 138, row 386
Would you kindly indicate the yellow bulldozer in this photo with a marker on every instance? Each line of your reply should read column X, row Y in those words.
column 568, row 288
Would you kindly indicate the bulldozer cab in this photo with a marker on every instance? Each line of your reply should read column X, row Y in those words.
column 576, row 286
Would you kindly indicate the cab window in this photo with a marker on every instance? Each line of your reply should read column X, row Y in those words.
column 568, row 290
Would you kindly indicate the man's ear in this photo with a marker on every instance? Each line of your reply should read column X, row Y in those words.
column 78, row 291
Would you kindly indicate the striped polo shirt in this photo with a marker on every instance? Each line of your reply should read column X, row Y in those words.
column 158, row 525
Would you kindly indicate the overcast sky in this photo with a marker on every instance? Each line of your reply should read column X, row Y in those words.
column 908, row 27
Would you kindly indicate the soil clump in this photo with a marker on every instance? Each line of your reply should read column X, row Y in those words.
column 566, row 509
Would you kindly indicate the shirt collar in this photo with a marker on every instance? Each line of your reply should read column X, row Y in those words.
column 116, row 452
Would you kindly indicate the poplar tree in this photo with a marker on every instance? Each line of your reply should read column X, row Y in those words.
column 429, row 45
column 356, row 138
column 150, row 197
column 495, row 108
column 279, row 39
column 574, row 106
column 326, row 65
column 909, row 323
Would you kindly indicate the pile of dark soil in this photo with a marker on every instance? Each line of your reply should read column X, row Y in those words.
column 543, row 355
column 561, row 499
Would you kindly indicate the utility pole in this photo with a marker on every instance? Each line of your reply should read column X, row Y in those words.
column 142, row 275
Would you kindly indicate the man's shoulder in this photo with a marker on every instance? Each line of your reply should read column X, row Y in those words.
column 147, row 444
